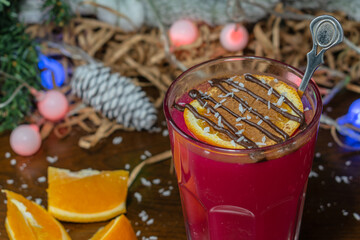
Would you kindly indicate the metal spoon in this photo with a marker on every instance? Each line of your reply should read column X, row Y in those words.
column 326, row 32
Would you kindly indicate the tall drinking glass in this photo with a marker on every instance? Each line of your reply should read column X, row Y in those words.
column 250, row 194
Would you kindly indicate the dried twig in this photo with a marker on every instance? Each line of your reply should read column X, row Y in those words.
column 154, row 159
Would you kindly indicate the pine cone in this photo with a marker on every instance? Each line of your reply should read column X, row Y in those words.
column 113, row 95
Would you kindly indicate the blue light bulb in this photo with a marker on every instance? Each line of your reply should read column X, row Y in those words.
column 51, row 68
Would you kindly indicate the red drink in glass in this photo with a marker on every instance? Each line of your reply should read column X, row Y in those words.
column 251, row 194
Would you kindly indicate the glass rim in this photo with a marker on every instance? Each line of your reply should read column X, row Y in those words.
column 313, row 121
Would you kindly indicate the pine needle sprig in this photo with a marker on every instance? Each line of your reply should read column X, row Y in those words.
column 18, row 58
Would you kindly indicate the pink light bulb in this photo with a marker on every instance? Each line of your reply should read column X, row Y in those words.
column 234, row 37
column 183, row 32
column 25, row 140
column 53, row 105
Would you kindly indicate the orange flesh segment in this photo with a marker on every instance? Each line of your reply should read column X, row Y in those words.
column 81, row 196
column 20, row 227
column 119, row 227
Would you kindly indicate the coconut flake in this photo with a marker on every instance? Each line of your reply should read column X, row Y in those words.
column 207, row 129
column 280, row 100
column 270, row 91
column 156, row 181
column 41, row 179
column 240, row 139
column 241, row 85
column 138, row 197
column 219, row 122
column 268, row 104
column 150, row 221
column 13, row 162
column 259, row 122
column 145, row 182
column 263, row 139
column 52, row 160
column 241, row 109
column 235, row 90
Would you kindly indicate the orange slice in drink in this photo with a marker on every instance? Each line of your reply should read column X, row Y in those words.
column 29, row 221
column 118, row 228
column 86, row 195
column 204, row 132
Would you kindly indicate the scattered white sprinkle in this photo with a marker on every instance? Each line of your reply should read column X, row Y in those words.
column 280, row 100
column 263, row 139
column 238, row 124
column 270, row 91
column 306, row 109
column 150, row 221
column 240, row 139
column 143, row 157
column 344, row 212
column 138, row 233
column 345, row 179
column 266, row 117
column 222, row 101
column 211, row 82
column 156, row 181
column 127, row 166
column 10, row 181
column 171, row 187
column 38, row 201
column 208, row 111
column 147, row 153
column 275, row 80
column 235, row 90
column 219, row 122
column 338, row 179
column 117, row 140
column 313, row 174
column 153, row 238
column 206, row 129
column 41, row 179
column 181, row 103
column 5, row 201
column 51, row 159
column 216, row 114
column 262, row 80
column 283, row 109
column 217, row 105
column 241, row 85
column 143, row 215
column 348, row 163
column 165, row 133
column 24, row 186
column 138, row 196
column 259, row 122
column 268, row 104
column 330, row 144
column 240, row 132
column 29, row 197
column 12, row 162
column 166, row 193
column 356, row 216
column 161, row 190
column 239, row 119
column 248, row 117
column 205, row 104
column 233, row 143
column 317, row 154
column 328, row 204
column 7, row 155
column 260, row 143
column 321, row 167
column 145, row 182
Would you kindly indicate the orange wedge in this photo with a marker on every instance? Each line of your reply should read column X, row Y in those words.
column 29, row 221
column 86, row 195
column 119, row 228
column 213, row 137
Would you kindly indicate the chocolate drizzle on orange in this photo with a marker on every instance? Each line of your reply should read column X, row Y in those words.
column 231, row 131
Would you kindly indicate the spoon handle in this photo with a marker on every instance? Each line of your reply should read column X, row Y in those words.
column 326, row 32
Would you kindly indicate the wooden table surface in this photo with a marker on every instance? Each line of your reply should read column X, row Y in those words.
column 330, row 211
